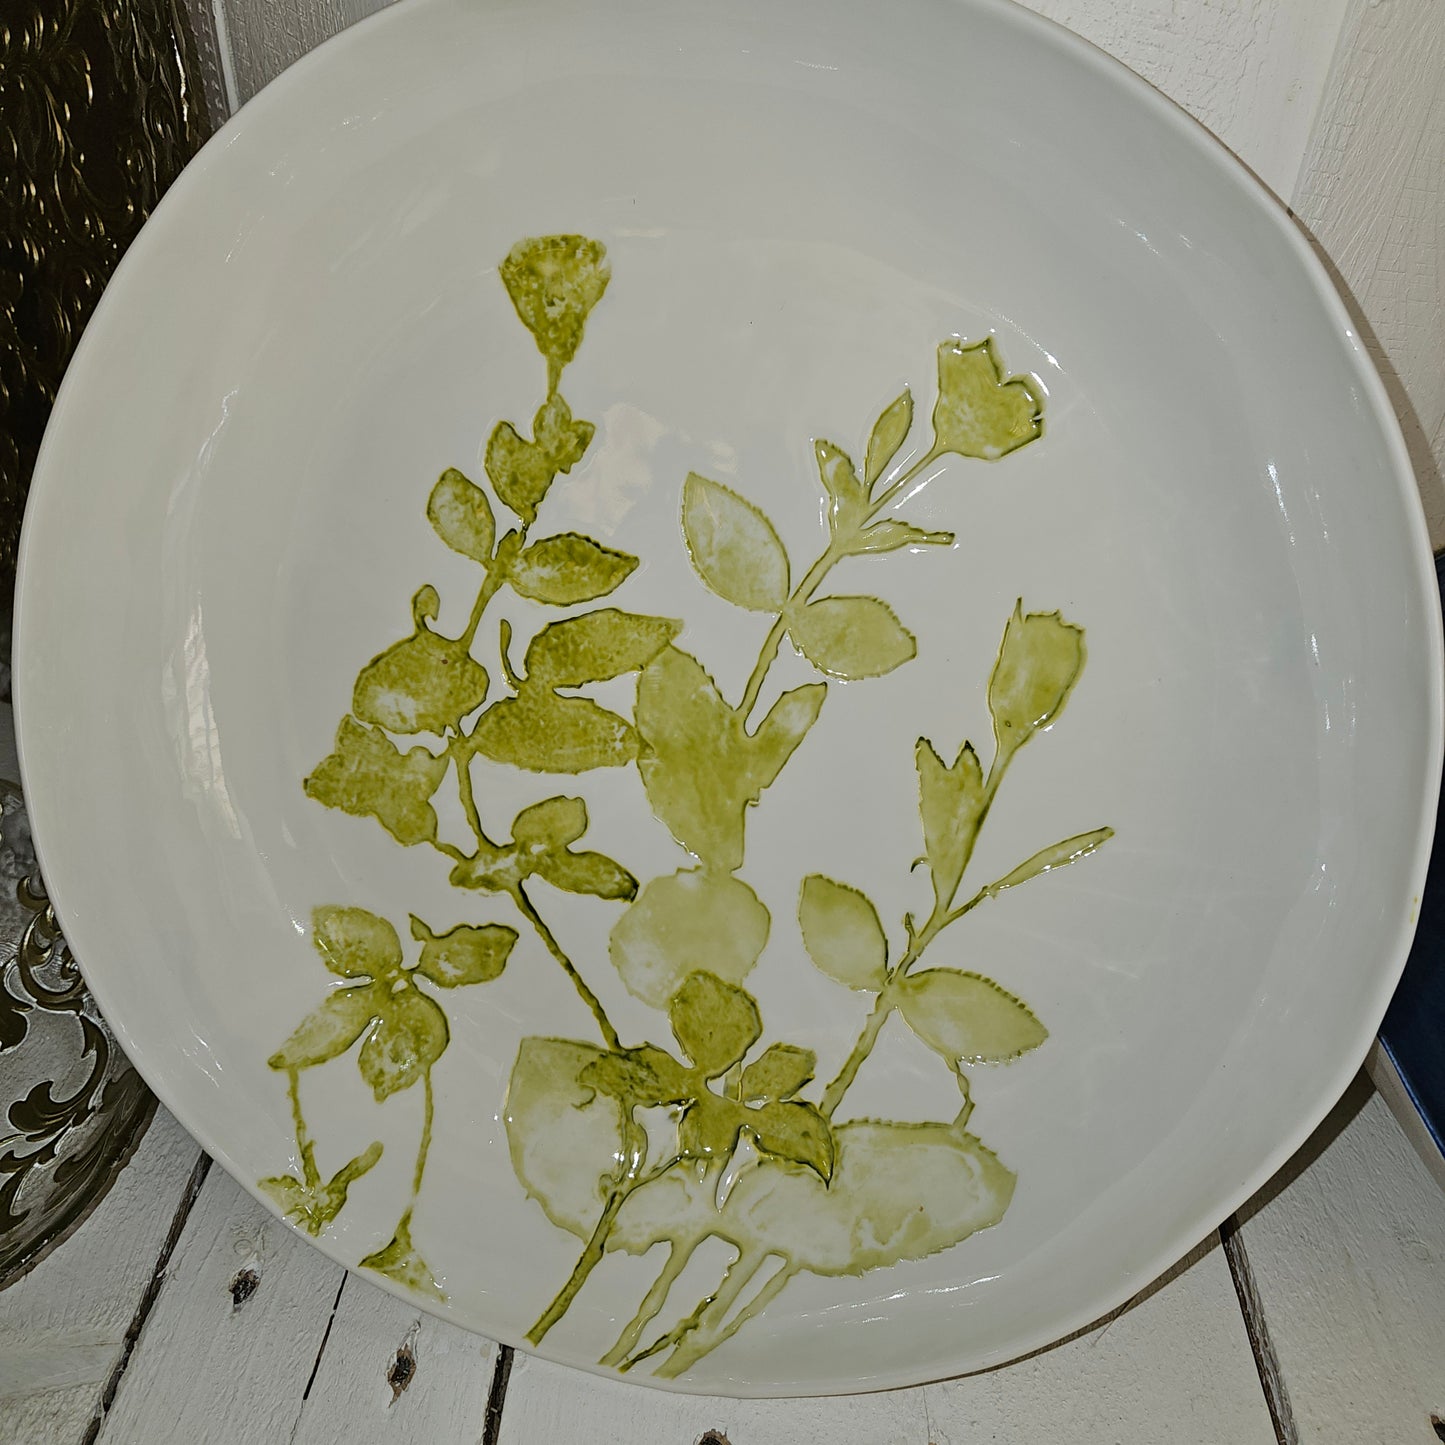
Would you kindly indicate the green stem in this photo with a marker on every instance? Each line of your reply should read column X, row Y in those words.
column 710, row 1313
column 461, row 751
column 691, row 1351
column 609, row 1034
column 425, row 1145
column 587, row 1261
column 942, row 916
column 491, row 585
column 802, row 594
column 303, row 1139
column 679, row 1252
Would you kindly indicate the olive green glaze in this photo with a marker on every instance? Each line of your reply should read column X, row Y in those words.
column 721, row 1133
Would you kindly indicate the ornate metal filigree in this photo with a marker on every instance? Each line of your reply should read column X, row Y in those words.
column 71, row 1107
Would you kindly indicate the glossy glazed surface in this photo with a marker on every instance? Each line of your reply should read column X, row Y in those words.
column 223, row 533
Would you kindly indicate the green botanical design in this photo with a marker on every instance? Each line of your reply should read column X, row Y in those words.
column 720, row 1132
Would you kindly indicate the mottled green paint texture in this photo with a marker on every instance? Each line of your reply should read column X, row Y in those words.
column 718, row 1131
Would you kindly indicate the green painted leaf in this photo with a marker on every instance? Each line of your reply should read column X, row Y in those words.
column 851, row 637
column 569, row 568
column 779, row 1074
column 780, row 732
column 795, row 1131
column 426, row 683
column 1039, row 661
column 552, row 823
column 967, row 1018
column 842, row 933
column 367, row 775
column 314, row 1209
column 715, row 1022
column 329, row 1031
column 400, row 1261
column 520, row 471
column 464, row 954
column 733, row 546
column 890, row 431
column 648, row 1076
column 410, row 1038
column 847, row 496
column 890, row 535
column 710, row 1127
column 565, row 440
column 951, row 802
column 354, row 943
column 565, row 1136
column 1059, row 855
column 696, row 762
column 979, row 413
column 554, row 282
column 596, row 647
column 591, row 873
column 544, row 733
column 462, row 516
column 691, row 920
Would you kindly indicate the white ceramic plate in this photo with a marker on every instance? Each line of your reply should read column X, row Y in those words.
column 802, row 206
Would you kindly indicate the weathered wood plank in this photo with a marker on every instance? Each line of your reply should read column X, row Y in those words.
column 215, row 1364
column 391, row 1375
column 63, row 1326
column 1174, row 1366
column 1348, row 1253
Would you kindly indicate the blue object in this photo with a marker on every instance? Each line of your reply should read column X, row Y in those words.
column 1413, row 1033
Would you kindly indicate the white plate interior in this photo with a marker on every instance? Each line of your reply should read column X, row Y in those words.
column 799, row 203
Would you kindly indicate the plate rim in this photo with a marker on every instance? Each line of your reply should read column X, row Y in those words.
column 1253, row 194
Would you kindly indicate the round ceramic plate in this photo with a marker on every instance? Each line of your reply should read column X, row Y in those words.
column 743, row 693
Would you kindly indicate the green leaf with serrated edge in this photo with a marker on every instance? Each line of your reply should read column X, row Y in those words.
column 842, row 933
column 890, row 535
column 694, row 919
column 368, row 776
column 520, row 471
column 847, row 497
column 462, row 516
column 780, row 732
column 851, row 637
column 410, row 1038
column 590, row 873
column 709, row 1128
column 330, row 1030
column 425, row 683
column 399, row 1260
column 716, row 1023
column 779, row 1074
column 1059, row 855
column 552, row 823
column 1039, row 661
column 795, row 1131
column 554, row 282
column 966, row 1018
column 314, row 1209
column 890, row 431
column 733, row 546
column 464, row 954
column 354, row 943
column 980, row 413
column 596, row 647
column 951, row 804
column 569, row 568
column 545, row 733
column 696, row 760
column 648, row 1076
